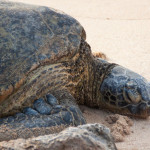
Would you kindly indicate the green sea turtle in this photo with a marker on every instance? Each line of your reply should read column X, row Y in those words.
column 47, row 69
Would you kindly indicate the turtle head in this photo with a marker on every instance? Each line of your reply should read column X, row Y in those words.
column 127, row 92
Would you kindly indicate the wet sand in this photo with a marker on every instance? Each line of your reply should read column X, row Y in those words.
column 121, row 30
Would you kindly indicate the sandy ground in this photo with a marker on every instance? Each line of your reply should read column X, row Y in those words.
column 120, row 29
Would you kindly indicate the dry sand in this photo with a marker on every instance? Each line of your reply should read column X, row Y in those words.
column 120, row 29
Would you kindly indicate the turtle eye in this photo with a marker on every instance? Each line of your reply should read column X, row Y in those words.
column 134, row 96
column 131, row 94
column 131, row 84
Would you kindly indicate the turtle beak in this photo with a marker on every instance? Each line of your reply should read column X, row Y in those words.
column 127, row 90
column 137, row 92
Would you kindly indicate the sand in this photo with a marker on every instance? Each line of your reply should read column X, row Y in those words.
column 120, row 29
column 138, row 139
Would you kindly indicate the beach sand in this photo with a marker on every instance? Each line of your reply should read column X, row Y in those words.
column 121, row 30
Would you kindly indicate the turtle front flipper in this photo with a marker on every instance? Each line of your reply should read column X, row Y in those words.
column 126, row 91
column 45, row 117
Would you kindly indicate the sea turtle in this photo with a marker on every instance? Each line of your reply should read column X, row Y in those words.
column 47, row 69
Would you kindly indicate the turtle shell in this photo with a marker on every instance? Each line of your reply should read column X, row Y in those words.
column 31, row 36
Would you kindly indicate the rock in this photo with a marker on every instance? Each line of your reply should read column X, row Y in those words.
column 120, row 126
column 84, row 137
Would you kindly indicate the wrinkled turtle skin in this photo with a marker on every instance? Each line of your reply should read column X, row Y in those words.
column 47, row 69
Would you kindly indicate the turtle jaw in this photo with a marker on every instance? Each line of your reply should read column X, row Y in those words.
column 127, row 92
column 141, row 110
